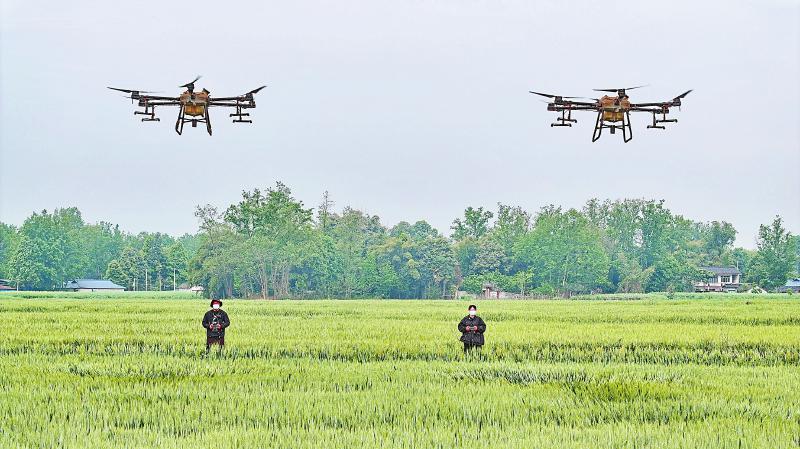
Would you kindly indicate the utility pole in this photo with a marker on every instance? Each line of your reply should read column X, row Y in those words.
column 173, row 279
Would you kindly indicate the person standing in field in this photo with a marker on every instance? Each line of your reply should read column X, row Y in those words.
column 472, row 328
column 215, row 321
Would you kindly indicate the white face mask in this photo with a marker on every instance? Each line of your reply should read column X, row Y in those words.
column 215, row 307
column 471, row 313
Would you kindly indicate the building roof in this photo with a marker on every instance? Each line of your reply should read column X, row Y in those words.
column 793, row 283
column 722, row 271
column 94, row 283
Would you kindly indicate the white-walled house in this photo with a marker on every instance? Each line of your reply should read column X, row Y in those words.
column 721, row 279
column 93, row 285
column 791, row 284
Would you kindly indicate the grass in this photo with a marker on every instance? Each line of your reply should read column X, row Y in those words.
column 95, row 371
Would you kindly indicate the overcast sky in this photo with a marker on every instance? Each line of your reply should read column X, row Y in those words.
column 406, row 109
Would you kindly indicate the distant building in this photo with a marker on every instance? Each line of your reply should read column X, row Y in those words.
column 489, row 290
column 5, row 285
column 492, row 291
column 186, row 287
column 722, row 279
column 791, row 284
column 93, row 285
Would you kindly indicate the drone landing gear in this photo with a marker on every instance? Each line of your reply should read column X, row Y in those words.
column 663, row 119
column 182, row 120
column 239, row 114
column 208, row 122
column 565, row 119
column 627, row 132
column 149, row 111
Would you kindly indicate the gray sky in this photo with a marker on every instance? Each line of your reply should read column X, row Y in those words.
column 406, row 109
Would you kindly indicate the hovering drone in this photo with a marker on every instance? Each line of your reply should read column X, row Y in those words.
column 613, row 112
column 192, row 104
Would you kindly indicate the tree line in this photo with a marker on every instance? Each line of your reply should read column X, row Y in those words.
column 270, row 244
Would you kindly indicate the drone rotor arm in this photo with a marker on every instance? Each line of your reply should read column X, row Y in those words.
column 228, row 104
column 173, row 102
column 663, row 104
column 654, row 107
column 579, row 104
column 244, row 97
column 150, row 98
column 647, row 105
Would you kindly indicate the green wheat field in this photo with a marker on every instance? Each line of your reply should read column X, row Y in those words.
column 127, row 371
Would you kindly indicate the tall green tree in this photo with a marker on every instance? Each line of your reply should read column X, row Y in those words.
column 8, row 238
column 277, row 227
column 475, row 224
column 511, row 225
column 565, row 252
column 177, row 263
column 128, row 269
column 215, row 262
column 48, row 252
column 490, row 256
column 101, row 243
column 353, row 234
column 775, row 258
column 719, row 240
column 436, row 267
column 632, row 278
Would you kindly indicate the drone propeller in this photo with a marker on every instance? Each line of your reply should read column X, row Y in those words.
column 191, row 83
column 551, row 95
column 129, row 91
column 622, row 89
column 677, row 100
column 255, row 91
column 683, row 95
column 134, row 94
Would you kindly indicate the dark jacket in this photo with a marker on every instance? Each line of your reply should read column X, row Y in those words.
column 472, row 337
column 216, row 316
